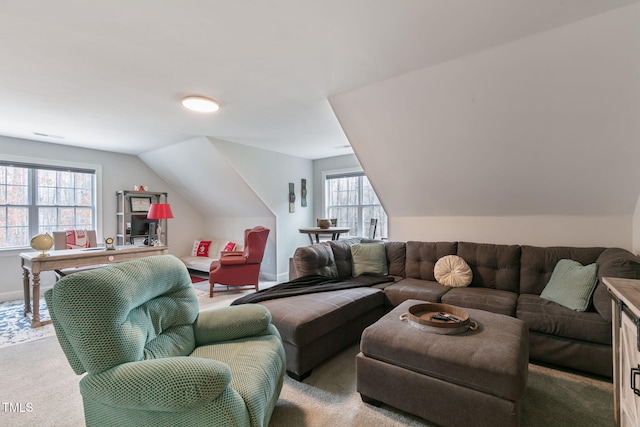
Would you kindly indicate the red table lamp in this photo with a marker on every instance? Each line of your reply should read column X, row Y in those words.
column 160, row 211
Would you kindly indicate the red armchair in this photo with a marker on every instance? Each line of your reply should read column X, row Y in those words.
column 240, row 270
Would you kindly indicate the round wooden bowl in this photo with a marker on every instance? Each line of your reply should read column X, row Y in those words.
column 428, row 317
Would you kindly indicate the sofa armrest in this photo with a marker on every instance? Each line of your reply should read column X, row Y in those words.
column 228, row 323
column 232, row 258
column 613, row 262
column 174, row 383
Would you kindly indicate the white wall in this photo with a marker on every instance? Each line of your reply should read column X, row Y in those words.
column 118, row 172
column 607, row 231
column 535, row 140
column 269, row 173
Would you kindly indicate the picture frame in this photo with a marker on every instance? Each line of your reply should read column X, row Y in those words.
column 139, row 203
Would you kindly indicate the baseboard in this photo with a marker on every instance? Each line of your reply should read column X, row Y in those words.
column 19, row 295
column 267, row 276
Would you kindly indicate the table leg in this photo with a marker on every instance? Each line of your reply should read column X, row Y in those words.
column 27, row 295
column 317, row 238
column 35, row 320
column 310, row 238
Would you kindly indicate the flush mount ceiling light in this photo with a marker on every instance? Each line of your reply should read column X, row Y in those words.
column 200, row 103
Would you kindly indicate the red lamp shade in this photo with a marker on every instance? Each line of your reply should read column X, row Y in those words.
column 160, row 211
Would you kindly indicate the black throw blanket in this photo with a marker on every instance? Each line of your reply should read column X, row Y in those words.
column 311, row 284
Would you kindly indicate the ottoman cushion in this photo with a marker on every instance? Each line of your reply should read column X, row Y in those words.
column 492, row 360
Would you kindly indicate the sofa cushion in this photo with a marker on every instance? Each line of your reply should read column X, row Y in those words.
column 342, row 254
column 369, row 258
column 547, row 317
column 315, row 259
column 571, row 284
column 302, row 319
column 493, row 300
column 397, row 257
column 422, row 257
column 425, row 290
column 452, row 271
column 493, row 266
column 537, row 264
column 613, row 262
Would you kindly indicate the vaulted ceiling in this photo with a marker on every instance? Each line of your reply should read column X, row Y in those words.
column 110, row 75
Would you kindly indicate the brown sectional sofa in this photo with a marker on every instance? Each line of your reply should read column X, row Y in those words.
column 507, row 279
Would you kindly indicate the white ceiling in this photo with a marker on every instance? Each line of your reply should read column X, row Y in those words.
column 110, row 75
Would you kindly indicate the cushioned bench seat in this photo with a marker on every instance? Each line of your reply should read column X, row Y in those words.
column 410, row 288
column 493, row 300
column 316, row 326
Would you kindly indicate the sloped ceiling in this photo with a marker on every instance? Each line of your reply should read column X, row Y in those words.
column 546, row 125
column 202, row 175
column 109, row 75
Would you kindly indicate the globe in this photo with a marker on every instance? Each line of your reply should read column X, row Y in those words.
column 42, row 242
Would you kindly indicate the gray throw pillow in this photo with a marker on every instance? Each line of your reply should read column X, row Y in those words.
column 571, row 284
column 369, row 258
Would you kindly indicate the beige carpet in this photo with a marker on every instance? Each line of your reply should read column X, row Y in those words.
column 36, row 376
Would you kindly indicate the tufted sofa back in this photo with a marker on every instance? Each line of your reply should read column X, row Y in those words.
column 125, row 312
column 421, row 257
column 538, row 264
column 493, row 266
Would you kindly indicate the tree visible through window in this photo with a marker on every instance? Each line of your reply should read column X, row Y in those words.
column 37, row 199
column 350, row 199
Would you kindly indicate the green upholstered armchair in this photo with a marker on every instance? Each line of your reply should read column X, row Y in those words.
column 152, row 359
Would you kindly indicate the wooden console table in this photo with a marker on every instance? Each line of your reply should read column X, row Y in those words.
column 34, row 263
column 335, row 232
column 625, row 294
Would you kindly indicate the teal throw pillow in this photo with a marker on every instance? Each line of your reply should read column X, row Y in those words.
column 368, row 258
column 571, row 284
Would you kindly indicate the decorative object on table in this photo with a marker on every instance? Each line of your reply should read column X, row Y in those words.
column 160, row 211
column 303, row 193
column 42, row 243
column 108, row 244
column 139, row 203
column 140, row 188
column 292, row 198
column 323, row 223
column 438, row 318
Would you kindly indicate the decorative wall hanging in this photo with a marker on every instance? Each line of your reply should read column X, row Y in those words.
column 292, row 198
column 303, row 193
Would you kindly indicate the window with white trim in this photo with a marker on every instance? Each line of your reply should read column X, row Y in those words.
column 40, row 198
column 350, row 198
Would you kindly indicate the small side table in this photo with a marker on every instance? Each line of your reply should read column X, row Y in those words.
column 317, row 231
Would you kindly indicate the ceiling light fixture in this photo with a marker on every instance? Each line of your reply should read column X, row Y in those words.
column 200, row 103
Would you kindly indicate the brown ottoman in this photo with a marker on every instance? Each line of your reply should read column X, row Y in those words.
column 474, row 378
column 315, row 327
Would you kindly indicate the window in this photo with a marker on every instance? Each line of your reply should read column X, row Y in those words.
column 350, row 198
column 38, row 198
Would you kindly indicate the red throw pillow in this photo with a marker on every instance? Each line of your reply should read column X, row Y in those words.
column 203, row 248
column 229, row 247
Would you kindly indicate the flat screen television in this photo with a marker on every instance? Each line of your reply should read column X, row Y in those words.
column 143, row 226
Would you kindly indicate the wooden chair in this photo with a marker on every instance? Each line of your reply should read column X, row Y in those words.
column 372, row 228
column 60, row 243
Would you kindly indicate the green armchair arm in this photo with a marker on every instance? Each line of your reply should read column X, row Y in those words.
column 228, row 323
column 174, row 383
